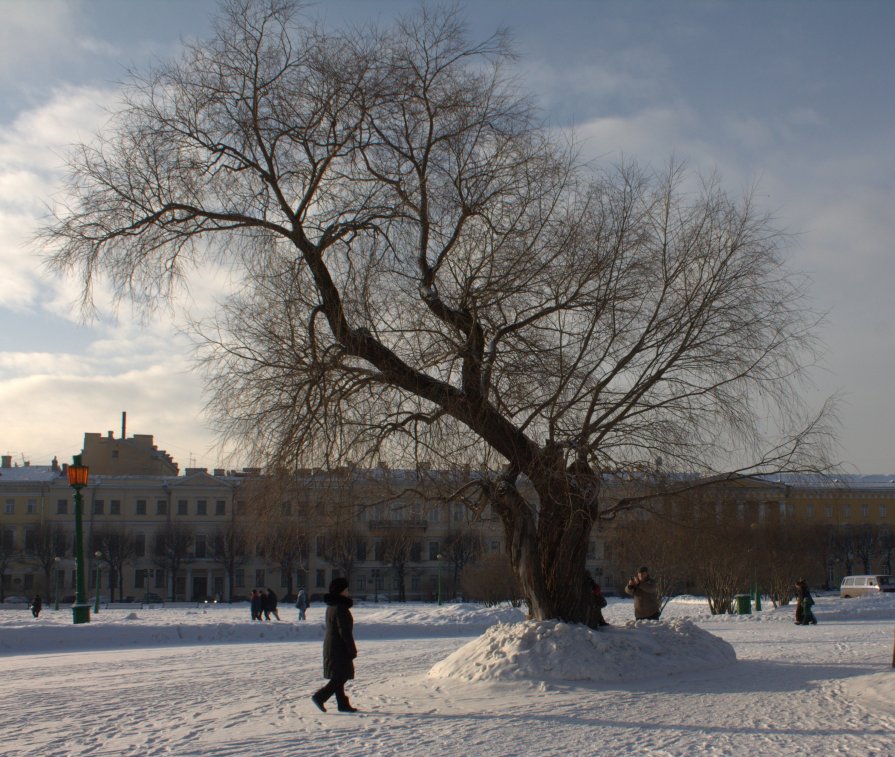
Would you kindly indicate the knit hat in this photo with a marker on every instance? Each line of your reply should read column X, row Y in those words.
column 338, row 585
column 643, row 569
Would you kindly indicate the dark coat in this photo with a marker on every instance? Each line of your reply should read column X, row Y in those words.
column 269, row 601
column 339, row 649
column 302, row 602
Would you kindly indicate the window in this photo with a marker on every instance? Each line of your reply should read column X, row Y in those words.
column 846, row 512
column 201, row 545
column 99, row 507
column 181, row 507
column 321, row 579
column 220, row 507
column 239, row 578
column 321, row 546
column 433, row 550
column 259, row 577
column 139, row 545
column 882, row 511
column 61, row 507
column 416, row 551
column 9, row 538
column 31, row 506
column 161, row 507
column 60, row 544
column 115, row 507
column 159, row 578
column 865, row 511
column 202, row 507
column 809, row 510
column 458, row 513
column 141, row 507
column 361, row 550
column 140, row 578
column 828, row 511
column 10, row 507
column 30, row 539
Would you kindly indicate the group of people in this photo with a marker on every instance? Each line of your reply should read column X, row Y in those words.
column 264, row 603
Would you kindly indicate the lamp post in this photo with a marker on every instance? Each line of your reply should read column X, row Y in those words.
column 77, row 479
column 438, row 557
column 56, row 583
column 99, row 571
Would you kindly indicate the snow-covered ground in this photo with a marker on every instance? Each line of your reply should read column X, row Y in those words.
column 452, row 680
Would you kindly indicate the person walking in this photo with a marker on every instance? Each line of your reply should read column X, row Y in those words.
column 270, row 604
column 339, row 649
column 804, row 603
column 302, row 603
column 36, row 605
column 256, row 604
column 646, row 595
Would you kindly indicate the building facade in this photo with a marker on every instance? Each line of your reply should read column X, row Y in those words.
column 198, row 536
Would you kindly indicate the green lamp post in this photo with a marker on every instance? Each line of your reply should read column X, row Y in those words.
column 77, row 479
column 438, row 557
column 56, row 583
column 99, row 572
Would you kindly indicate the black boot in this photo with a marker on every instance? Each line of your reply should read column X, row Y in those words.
column 318, row 700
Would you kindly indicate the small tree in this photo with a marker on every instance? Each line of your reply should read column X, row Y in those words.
column 229, row 546
column 117, row 546
column 491, row 580
column 48, row 544
column 170, row 550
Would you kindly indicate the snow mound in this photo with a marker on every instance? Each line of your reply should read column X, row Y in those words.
column 555, row 651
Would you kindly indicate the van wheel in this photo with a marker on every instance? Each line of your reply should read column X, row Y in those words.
column 847, row 596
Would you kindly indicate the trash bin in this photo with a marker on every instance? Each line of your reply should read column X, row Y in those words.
column 743, row 604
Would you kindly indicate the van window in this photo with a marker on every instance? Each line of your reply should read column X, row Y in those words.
column 886, row 581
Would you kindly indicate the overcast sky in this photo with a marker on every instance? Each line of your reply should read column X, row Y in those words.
column 796, row 97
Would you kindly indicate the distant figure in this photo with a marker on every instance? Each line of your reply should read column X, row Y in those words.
column 646, row 595
column 804, row 603
column 302, row 603
column 256, row 604
column 36, row 605
column 269, row 602
column 599, row 601
column 339, row 650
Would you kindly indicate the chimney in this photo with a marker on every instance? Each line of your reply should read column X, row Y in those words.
column 7, row 461
column 124, row 424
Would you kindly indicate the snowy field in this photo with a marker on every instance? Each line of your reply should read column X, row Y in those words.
column 451, row 680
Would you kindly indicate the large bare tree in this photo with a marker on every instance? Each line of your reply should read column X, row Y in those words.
column 427, row 271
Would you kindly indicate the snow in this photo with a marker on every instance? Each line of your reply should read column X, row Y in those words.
column 457, row 679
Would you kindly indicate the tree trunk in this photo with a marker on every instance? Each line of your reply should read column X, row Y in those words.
column 547, row 544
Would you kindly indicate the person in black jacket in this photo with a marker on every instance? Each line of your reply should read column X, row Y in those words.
column 270, row 605
column 36, row 605
column 339, row 649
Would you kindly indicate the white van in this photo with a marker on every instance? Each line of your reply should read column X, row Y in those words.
column 858, row 586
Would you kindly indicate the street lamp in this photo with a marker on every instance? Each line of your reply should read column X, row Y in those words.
column 438, row 557
column 99, row 569
column 56, row 583
column 77, row 479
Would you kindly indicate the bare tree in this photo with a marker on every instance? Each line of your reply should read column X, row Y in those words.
column 48, row 543
column 459, row 547
column 170, row 550
column 427, row 272
column 117, row 546
column 229, row 546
